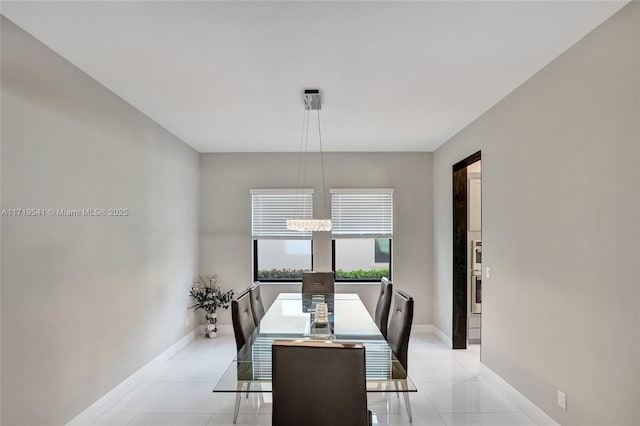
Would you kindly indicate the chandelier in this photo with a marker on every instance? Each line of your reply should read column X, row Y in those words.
column 311, row 103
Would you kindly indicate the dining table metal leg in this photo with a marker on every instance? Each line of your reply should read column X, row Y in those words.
column 240, row 386
column 407, row 401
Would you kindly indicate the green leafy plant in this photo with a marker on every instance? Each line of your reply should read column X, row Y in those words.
column 296, row 274
column 207, row 295
column 280, row 274
column 361, row 274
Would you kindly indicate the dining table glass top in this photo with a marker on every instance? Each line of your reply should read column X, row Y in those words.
column 293, row 316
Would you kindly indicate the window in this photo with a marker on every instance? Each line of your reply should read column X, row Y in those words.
column 357, row 259
column 362, row 233
column 280, row 254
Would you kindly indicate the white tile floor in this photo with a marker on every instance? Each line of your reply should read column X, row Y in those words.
column 450, row 391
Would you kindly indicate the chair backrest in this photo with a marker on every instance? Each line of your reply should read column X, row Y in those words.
column 318, row 282
column 401, row 318
column 242, row 318
column 383, row 306
column 256, row 303
column 318, row 384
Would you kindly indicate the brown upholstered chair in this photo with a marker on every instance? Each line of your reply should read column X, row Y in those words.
column 256, row 303
column 318, row 282
column 319, row 384
column 383, row 306
column 401, row 318
column 244, row 329
column 242, row 318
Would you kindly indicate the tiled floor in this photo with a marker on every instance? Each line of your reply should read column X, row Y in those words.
column 450, row 391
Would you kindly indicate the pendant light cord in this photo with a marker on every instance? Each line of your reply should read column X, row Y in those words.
column 306, row 152
column 300, row 152
column 303, row 157
column 302, row 170
column 324, row 187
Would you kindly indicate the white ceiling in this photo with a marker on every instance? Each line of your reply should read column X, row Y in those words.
column 229, row 76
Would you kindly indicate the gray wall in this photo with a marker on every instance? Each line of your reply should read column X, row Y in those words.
column 560, row 230
column 225, row 215
column 86, row 301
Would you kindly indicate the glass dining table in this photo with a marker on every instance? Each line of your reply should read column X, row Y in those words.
column 292, row 316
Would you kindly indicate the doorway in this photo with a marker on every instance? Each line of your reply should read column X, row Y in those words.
column 467, row 252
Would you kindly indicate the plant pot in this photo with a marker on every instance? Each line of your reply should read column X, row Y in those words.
column 211, row 330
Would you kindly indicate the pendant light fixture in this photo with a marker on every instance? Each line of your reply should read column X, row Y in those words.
column 311, row 103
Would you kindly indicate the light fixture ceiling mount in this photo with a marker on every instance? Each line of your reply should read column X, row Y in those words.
column 312, row 99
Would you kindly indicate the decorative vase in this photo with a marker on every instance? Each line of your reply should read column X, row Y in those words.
column 211, row 330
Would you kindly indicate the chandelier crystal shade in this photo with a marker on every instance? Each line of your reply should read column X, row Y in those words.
column 311, row 103
column 306, row 225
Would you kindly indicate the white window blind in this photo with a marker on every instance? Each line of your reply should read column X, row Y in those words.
column 270, row 209
column 366, row 213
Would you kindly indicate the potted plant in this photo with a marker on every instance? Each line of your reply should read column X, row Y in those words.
column 207, row 296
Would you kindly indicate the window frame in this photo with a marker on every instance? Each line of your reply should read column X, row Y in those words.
column 383, row 228
column 279, row 280
column 299, row 207
column 364, row 281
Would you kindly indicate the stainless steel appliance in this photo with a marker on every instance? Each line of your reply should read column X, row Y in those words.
column 476, row 257
column 476, row 294
column 476, row 276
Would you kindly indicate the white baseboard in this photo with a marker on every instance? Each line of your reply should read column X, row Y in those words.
column 527, row 407
column 442, row 337
column 422, row 328
column 96, row 409
column 430, row 328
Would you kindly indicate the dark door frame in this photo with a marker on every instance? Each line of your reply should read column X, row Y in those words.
column 460, row 268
